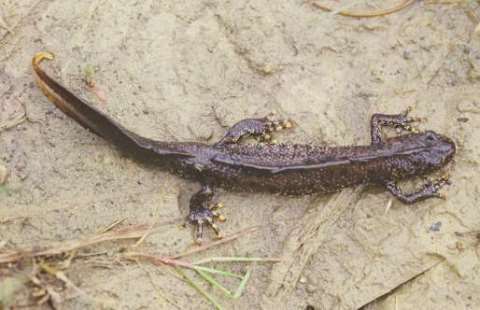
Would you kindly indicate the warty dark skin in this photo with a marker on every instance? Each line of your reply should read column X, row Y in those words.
column 292, row 169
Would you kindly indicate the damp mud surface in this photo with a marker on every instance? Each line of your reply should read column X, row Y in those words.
column 186, row 71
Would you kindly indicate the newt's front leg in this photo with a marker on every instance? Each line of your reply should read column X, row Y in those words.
column 429, row 190
column 389, row 120
column 203, row 212
column 261, row 128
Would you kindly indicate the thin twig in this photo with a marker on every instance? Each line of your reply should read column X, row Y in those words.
column 111, row 226
column 366, row 14
column 159, row 260
column 163, row 260
column 132, row 232
column 145, row 235
column 62, row 277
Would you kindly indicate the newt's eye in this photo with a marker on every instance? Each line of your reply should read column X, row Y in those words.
column 431, row 137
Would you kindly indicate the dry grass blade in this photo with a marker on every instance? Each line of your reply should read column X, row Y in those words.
column 112, row 226
column 62, row 277
column 132, row 232
column 366, row 14
column 162, row 260
column 14, row 121
column 217, row 243
column 12, row 28
column 158, row 260
column 17, row 118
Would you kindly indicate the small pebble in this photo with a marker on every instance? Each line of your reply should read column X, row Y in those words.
column 311, row 288
column 303, row 280
column 287, row 124
column 436, row 226
column 312, row 279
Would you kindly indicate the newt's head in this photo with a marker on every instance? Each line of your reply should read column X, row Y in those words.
column 439, row 150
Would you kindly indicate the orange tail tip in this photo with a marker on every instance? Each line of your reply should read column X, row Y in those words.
column 40, row 56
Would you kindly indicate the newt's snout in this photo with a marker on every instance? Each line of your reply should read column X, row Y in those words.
column 449, row 149
column 442, row 148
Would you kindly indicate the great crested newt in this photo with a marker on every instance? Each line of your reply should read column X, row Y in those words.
column 291, row 169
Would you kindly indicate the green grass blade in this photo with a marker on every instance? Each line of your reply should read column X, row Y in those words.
column 201, row 291
column 217, row 271
column 214, row 282
column 237, row 259
column 242, row 285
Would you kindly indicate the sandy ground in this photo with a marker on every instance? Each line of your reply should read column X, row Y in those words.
column 186, row 70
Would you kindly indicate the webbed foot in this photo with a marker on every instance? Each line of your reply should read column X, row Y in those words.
column 200, row 218
column 432, row 188
column 203, row 213
column 259, row 128
column 271, row 126
column 398, row 121
column 403, row 121
column 429, row 190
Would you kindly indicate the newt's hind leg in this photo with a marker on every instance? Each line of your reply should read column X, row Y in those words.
column 260, row 128
column 429, row 190
column 389, row 120
column 203, row 212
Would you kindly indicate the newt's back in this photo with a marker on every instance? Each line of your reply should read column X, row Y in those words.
column 297, row 169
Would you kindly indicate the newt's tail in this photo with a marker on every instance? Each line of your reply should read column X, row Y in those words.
column 92, row 118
